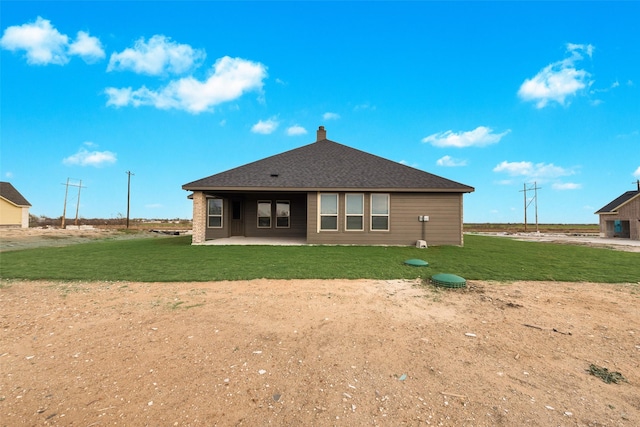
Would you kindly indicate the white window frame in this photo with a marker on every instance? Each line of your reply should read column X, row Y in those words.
column 347, row 215
column 321, row 215
column 258, row 213
column 288, row 216
column 375, row 215
column 210, row 215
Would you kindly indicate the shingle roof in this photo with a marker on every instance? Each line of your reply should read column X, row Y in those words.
column 9, row 192
column 615, row 204
column 325, row 165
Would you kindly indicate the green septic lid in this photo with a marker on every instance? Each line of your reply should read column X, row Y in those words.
column 416, row 262
column 448, row 280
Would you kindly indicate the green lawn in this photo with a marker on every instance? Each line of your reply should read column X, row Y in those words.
column 174, row 259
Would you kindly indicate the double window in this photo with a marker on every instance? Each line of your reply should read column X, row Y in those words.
column 214, row 213
column 283, row 214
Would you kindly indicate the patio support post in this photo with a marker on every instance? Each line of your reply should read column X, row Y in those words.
column 199, row 217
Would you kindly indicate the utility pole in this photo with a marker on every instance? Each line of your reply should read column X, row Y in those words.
column 535, row 197
column 66, row 192
column 527, row 202
column 129, row 173
column 64, row 209
column 525, row 205
column 78, row 202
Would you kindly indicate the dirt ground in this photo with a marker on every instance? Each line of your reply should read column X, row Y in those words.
column 12, row 239
column 318, row 352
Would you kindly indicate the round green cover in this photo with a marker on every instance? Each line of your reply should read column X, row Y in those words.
column 416, row 262
column 448, row 280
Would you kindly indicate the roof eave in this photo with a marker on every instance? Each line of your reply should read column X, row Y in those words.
column 14, row 203
column 334, row 189
column 615, row 209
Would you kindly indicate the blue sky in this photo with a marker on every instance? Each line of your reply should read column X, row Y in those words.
column 494, row 95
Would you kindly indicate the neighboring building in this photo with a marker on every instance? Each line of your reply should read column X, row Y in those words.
column 14, row 208
column 621, row 217
column 328, row 193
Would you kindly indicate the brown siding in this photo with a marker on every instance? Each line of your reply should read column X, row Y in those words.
column 297, row 226
column 629, row 212
column 443, row 228
column 217, row 233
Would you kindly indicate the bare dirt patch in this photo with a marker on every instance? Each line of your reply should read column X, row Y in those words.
column 318, row 352
column 577, row 239
column 12, row 239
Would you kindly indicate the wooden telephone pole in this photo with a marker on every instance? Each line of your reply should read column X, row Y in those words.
column 129, row 173
column 527, row 202
column 64, row 209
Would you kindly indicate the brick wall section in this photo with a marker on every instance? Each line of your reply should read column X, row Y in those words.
column 199, row 217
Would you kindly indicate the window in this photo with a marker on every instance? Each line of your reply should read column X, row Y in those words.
column 264, row 214
column 380, row 212
column 214, row 213
column 354, row 212
column 328, row 212
column 283, row 213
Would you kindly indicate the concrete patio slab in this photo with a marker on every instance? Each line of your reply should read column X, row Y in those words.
column 263, row 241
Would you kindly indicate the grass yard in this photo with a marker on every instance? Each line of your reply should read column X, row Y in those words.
column 174, row 259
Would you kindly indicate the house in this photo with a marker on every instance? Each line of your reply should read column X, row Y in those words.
column 14, row 208
column 621, row 217
column 328, row 193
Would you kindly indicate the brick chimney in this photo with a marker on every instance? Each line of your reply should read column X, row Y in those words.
column 322, row 134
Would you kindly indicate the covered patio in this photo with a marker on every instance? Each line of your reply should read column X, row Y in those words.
column 262, row 241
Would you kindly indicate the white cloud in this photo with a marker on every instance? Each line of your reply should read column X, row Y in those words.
column 158, row 56
column 43, row 44
column 85, row 157
column 330, row 116
column 8, row 174
column 637, row 173
column 566, row 186
column 230, row 79
column 88, row 47
column 530, row 170
column 478, row 137
column 265, row 127
column 559, row 80
column 449, row 161
column 120, row 97
column 154, row 206
column 296, row 130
